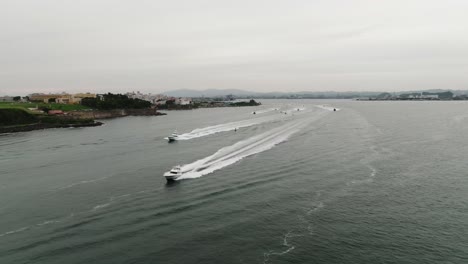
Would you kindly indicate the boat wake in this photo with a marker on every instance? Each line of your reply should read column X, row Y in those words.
column 81, row 182
column 263, row 111
column 305, row 228
column 201, row 132
column 271, row 117
column 296, row 109
column 232, row 154
column 286, row 244
column 328, row 107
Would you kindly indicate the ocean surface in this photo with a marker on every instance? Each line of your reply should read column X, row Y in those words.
column 374, row 182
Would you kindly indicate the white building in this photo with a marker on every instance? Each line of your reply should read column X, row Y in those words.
column 185, row 101
column 6, row 99
column 430, row 96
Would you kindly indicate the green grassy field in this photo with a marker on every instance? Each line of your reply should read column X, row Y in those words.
column 53, row 106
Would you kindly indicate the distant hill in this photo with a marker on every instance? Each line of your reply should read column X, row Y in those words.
column 304, row 94
column 247, row 94
column 208, row 93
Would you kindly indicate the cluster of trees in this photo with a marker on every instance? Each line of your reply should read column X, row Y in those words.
column 115, row 101
column 252, row 102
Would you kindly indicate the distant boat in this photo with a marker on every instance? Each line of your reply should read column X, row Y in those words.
column 254, row 113
column 334, row 109
column 173, row 174
column 173, row 137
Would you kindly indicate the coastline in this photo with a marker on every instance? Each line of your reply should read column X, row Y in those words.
column 73, row 119
column 41, row 126
column 113, row 113
column 87, row 118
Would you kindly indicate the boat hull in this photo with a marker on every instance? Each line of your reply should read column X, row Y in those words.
column 171, row 178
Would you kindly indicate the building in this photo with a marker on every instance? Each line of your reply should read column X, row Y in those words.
column 39, row 97
column 430, row 96
column 184, row 101
column 152, row 98
column 80, row 96
column 6, row 99
column 65, row 99
column 62, row 98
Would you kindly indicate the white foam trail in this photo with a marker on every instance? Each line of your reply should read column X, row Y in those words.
column 295, row 109
column 266, row 256
column 206, row 131
column 328, row 107
column 81, row 182
column 232, row 154
column 15, row 231
column 201, row 132
column 99, row 206
column 48, row 222
column 264, row 111
column 256, row 144
column 315, row 208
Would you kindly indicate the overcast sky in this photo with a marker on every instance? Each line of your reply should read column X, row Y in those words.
column 257, row 45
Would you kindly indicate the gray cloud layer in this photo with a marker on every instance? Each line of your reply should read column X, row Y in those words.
column 153, row 46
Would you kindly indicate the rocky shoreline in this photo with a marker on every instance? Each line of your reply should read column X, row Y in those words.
column 68, row 119
column 105, row 114
column 40, row 126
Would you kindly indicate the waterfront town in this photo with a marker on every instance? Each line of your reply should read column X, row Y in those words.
column 66, row 98
column 416, row 96
column 40, row 110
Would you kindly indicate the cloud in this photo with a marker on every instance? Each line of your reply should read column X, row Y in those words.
column 155, row 46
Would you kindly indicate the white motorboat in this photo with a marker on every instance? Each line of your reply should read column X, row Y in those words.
column 173, row 137
column 174, row 173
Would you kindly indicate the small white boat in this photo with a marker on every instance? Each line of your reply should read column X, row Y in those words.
column 173, row 137
column 173, row 174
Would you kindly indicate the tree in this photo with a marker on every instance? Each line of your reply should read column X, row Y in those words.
column 16, row 98
column 115, row 101
column 51, row 100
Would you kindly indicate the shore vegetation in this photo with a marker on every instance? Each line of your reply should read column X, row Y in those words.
column 49, row 106
column 115, row 101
